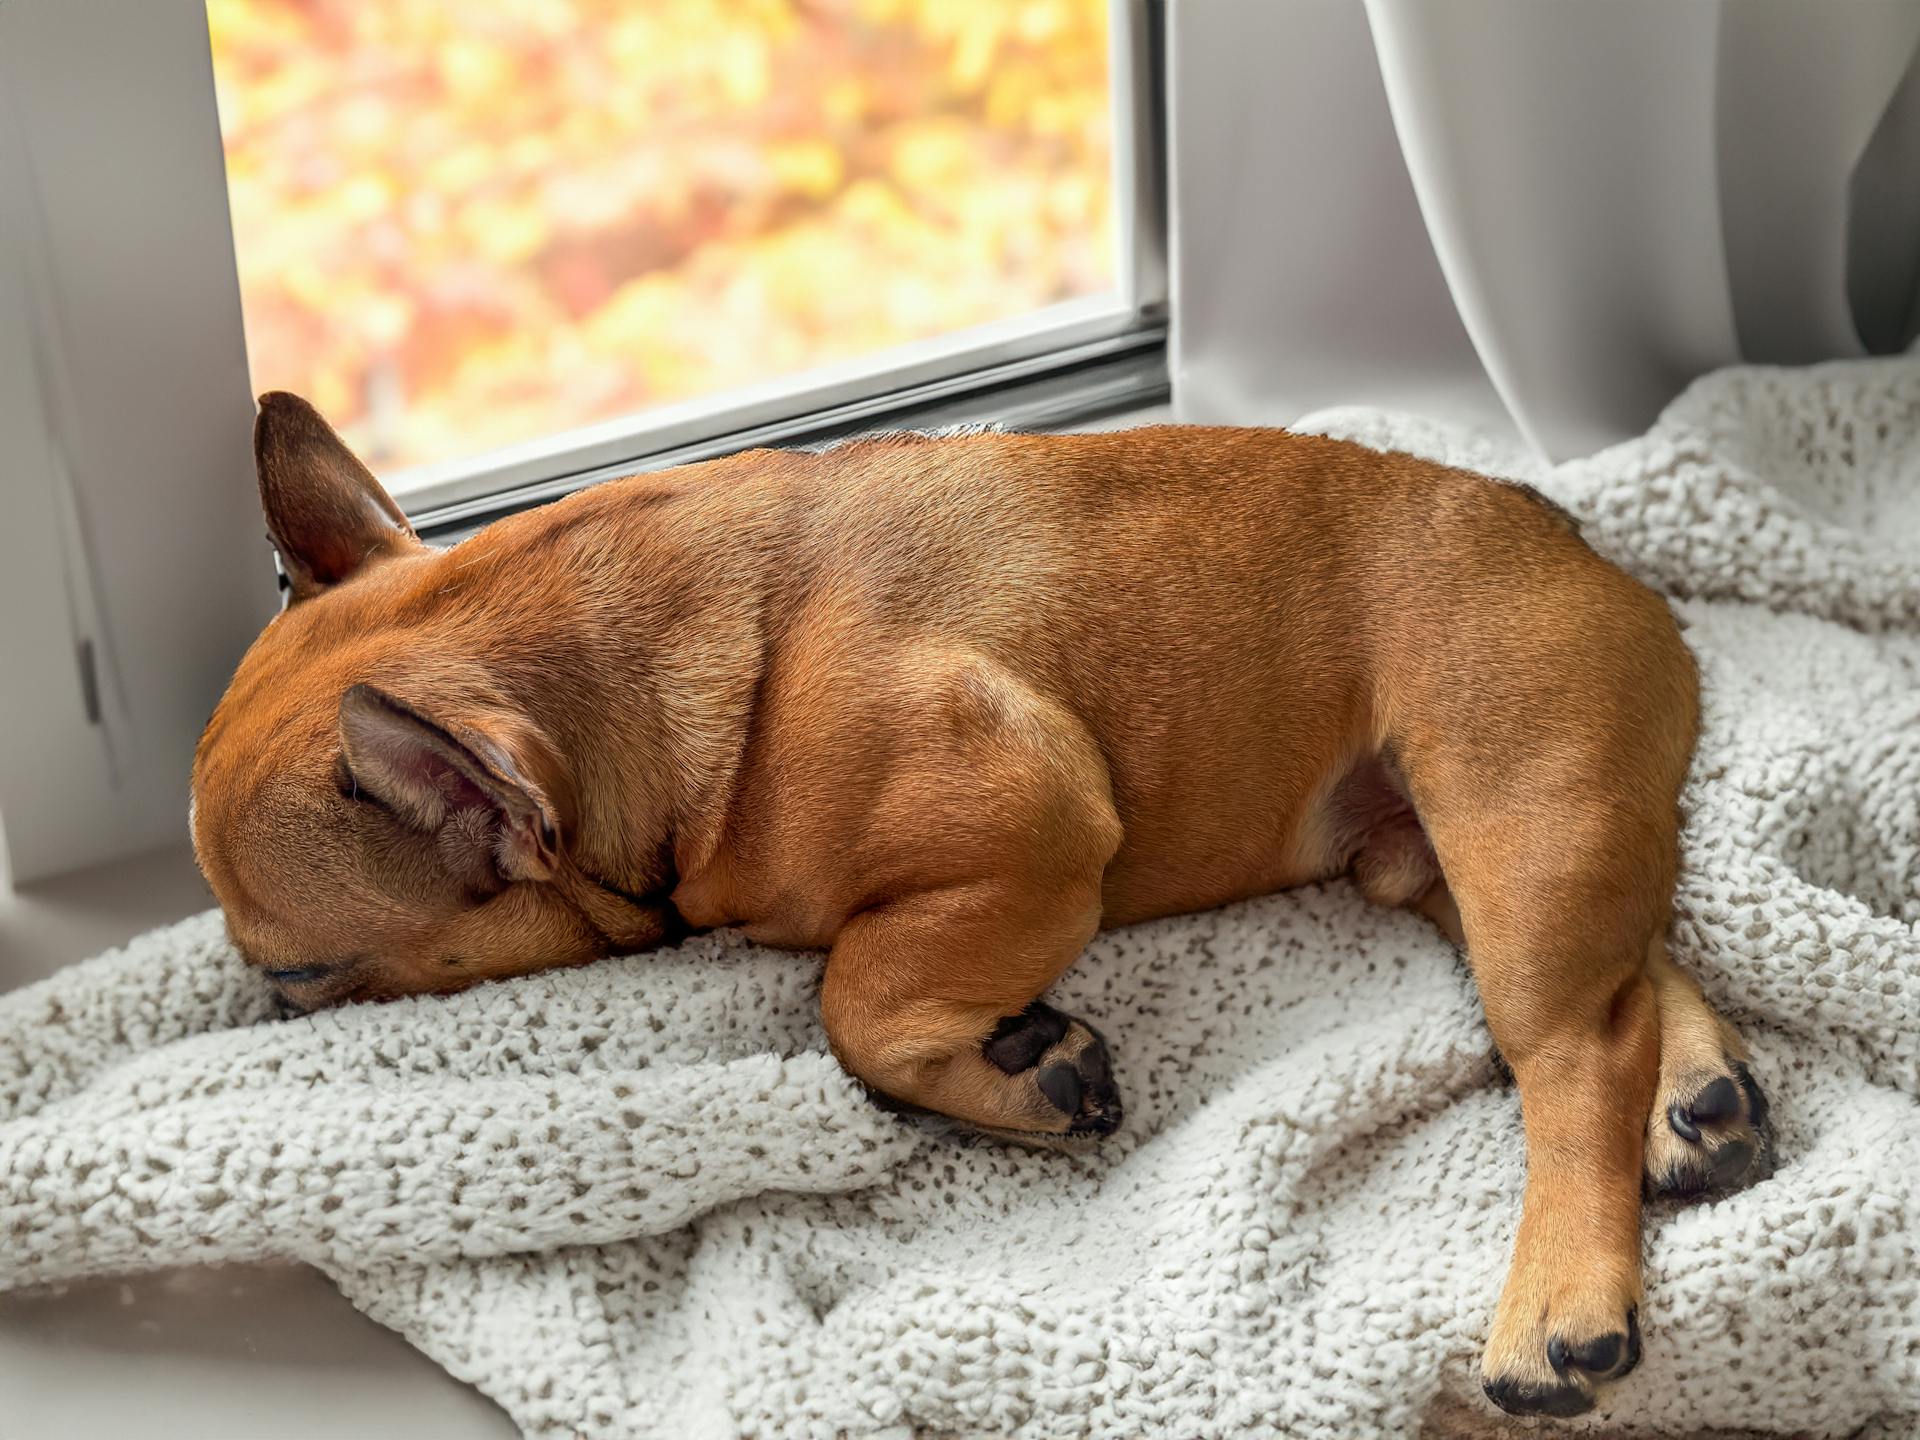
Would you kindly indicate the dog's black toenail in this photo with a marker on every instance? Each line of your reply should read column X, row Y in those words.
column 1633, row 1343
column 1719, row 1101
column 1094, row 1068
column 1757, row 1107
column 1061, row 1085
column 1517, row 1397
column 1101, row 1122
column 1682, row 1123
column 1730, row 1161
column 1020, row 1040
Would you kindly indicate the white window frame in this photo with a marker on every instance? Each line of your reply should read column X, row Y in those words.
column 133, row 569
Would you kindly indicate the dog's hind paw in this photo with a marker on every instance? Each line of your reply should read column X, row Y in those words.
column 1709, row 1132
column 1553, row 1363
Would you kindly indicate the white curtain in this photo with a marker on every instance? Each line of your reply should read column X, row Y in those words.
column 1552, row 214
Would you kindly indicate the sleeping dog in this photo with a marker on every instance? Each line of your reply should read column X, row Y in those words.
column 944, row 706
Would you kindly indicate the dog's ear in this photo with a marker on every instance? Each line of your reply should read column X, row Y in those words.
column 470, row 784
column 326, row 514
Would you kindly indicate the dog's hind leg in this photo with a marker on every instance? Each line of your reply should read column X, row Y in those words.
column 1556, row 826
column 1557, row 946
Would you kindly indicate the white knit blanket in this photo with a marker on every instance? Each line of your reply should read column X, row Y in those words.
column 639, row 1199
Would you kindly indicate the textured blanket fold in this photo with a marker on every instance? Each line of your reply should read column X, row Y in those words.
column 639, row 1199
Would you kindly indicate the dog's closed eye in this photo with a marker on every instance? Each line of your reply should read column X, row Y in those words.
column 299, row 975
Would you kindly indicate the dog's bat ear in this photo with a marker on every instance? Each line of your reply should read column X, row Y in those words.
column 458, row 782
column 326, row 514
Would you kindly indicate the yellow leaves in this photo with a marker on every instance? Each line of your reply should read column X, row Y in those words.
column 462, row 168
column 1042, row 22
column 459, row 226
column 873, row 206
column 363, row 197
column 813, row 167
column 334, row 395
column 843, row 102
column 241, row 26
column 1062, row 115
column 473, row 70
column 974, row 44
column 744, row 68
column 385, row 319
column 934, row 156
column 501, row 231
column 1075, row 202
column 306, row 282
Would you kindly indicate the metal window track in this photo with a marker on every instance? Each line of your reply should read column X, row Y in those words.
column 1042, row 392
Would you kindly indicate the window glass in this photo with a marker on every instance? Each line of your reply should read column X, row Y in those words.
column 464, row 225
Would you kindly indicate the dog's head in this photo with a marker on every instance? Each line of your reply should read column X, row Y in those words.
column 373, row 813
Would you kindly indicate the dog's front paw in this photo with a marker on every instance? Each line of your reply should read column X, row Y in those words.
column 1709, row 1131
column 1065, row 1062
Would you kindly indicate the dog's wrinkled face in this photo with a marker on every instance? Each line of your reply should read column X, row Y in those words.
column 372, row 820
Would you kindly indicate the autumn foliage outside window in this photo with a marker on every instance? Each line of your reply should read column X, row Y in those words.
column 463, row 225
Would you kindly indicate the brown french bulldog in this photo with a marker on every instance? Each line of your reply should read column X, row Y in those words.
column 945, row 706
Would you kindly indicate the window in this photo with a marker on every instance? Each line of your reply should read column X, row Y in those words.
column 525, row 241
column 131, row 538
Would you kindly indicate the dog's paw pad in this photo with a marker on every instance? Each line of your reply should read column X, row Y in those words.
column 1066, row 1062
column 1019, row 1041
column 1712, row 1137
column 1720, row 1100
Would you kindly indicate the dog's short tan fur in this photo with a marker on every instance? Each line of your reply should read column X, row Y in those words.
column 946, row 706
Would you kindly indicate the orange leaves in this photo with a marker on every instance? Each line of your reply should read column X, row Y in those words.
column 459, row 226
